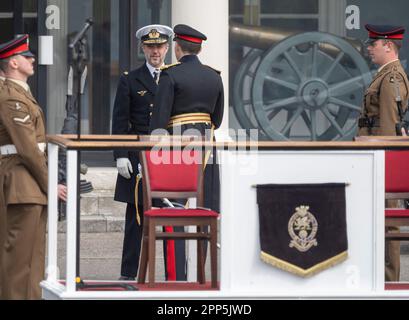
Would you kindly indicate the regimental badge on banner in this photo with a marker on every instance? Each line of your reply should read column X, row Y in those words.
column 302, row 226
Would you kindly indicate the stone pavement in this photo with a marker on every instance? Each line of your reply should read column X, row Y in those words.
column 101, row 256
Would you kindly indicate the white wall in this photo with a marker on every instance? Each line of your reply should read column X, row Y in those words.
column 210, row 17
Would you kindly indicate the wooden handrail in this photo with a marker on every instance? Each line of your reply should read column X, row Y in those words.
column 110, row 142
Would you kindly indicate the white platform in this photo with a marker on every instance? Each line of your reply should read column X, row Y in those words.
column 243, row 274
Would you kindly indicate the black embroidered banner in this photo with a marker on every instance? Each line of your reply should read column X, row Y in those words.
column 303, row 227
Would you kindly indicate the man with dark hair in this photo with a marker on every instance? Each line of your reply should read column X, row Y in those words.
column 388, row 92
column 131, row 115
column 188, row 86
column 190, row 100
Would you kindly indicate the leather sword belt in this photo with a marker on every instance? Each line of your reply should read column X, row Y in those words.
column 9, row 149
column 189, row 118
column 369, row 122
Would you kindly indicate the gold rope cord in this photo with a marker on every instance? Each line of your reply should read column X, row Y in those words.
column 138, row 217
column 303, row 272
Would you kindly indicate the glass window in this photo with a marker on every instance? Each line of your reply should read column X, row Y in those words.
column 291, row 24
column 236, row 6
column 28, row 24
column 289, row 6
column 6, row 27
column 6, row 5
column 30, row 6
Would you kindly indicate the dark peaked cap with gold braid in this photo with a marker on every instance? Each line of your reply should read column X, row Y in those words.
column 154, row 34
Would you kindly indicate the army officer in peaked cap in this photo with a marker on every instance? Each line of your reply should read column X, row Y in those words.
column 131, row 115
column 23, row 176
column 385, row 95
column 380, row 111
column 191, row 97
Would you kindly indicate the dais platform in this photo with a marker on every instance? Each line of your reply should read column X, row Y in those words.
column 243, row 165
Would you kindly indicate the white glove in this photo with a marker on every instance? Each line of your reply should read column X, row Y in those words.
column 124, row 167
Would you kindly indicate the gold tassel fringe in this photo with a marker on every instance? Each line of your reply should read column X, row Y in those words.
column 283, row 265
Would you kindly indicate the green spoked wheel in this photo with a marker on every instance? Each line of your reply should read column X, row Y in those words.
column 310, row 87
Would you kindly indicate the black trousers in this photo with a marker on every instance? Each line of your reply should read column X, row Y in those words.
column 132, row 242
column 132, row 248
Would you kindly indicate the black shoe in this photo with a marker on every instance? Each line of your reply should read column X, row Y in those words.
column 124, row 278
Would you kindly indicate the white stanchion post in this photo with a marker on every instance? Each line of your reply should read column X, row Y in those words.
column 379, row 226
column 52, row 267
column 72, row 163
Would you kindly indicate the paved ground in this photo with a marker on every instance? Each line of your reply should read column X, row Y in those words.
column 101, row 257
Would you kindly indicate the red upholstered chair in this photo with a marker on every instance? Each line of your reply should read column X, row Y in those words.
column 176, row 175
column 396, row 187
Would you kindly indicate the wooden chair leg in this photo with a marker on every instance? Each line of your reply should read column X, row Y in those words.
column 213, row 252
column 151, row 254
column 144, row 254
column 201, row 278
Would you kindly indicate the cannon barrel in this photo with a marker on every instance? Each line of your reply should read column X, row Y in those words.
column 263, row 38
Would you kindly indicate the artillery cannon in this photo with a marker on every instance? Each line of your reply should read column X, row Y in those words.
column 299, row 86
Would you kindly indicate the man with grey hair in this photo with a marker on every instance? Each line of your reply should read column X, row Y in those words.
column 131, row 115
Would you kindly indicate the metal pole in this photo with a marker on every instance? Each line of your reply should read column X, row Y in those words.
column 78, row 249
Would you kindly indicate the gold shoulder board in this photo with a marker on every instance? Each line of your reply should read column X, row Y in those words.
column 167, row 66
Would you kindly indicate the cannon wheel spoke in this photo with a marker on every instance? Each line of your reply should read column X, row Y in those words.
column 294, row 66
column 283, row 83
column 327, row 78
column 294, row 117
column 281, row 103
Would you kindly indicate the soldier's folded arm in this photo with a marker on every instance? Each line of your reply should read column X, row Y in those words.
column 20, row 125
